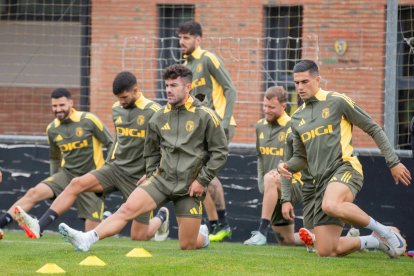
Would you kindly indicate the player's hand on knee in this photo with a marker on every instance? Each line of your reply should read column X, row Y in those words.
column 288, row 211
column 401, row 174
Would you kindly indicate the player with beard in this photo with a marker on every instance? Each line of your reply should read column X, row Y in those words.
column 184, row 149
column 76, row 139
column 211, row 85
column 125, row 166
column 271, row 132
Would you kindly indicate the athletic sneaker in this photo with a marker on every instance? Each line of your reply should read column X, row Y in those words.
column 1, row 234
column 256, row 239
column 77, row 238
column 396, row 241
column 30, row 225
column 220, row 232
column 384, row 247
column 164, row 230
column 308, row 239
column 204, row 232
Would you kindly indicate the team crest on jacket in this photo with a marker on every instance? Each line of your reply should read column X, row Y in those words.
column 325, row 113
column 141, row 120
column 79, row 131
column 199, row 68
column 189, row 126
column 282, row 136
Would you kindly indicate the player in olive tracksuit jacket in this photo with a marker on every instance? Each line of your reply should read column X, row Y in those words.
column 76, row 140
column 125, row 164
column 184, row 149
column 322, row 134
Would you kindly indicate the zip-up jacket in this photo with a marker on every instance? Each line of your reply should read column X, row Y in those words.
column 212, row 81
column 131, row 124
column 322, row 134
column 183, row 144
column 270, row 144
column 77, row 142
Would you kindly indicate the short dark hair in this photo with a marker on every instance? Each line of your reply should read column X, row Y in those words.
column 59, row 93
column 277, row 92
column 306, row 65
column 177, row 70
column 190, row 27
column 124, row 81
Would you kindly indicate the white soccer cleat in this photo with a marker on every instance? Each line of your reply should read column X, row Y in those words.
column 396, row 241
column 384, row 247
column 30, row 225
column 204, row 232
column 76, row 238
column 1, row 234
column 257, row 238
column 164, row 230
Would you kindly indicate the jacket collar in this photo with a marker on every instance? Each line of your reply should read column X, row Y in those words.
column 188, row 106
column 196, row 54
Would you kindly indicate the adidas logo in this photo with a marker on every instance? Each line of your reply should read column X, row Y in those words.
column 193, row 211
column 119, row 120
column 58, row 138
column 166, row 127
column 302, row 122
column 261, row 136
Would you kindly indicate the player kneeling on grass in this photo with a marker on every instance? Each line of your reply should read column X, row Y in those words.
column 270, row 143
column 322, row 135
column 124, row 167
column 184, row 149
column 76, row 139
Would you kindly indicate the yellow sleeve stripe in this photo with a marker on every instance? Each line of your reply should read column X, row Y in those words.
column 213, row 59
column 213, row 116
column 155, row 107
column 95, row 120
column 113, row 152
column 346, row 98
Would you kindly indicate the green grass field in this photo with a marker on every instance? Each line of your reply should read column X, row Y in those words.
column 21, row 256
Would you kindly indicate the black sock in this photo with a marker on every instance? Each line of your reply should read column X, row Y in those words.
column 264, row 226
column 222, row 217
column 162, row 215
column 212, row 224
column 5, row 219
column 47, row 218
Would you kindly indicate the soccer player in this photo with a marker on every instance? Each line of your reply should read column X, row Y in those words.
column 270, row 143
column 125, row 167
column 322, row 132
column 211, row 85
column 76, row 139
column 184, row 149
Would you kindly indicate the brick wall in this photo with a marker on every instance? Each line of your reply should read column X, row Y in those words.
column 359, row 72
column 27, row 110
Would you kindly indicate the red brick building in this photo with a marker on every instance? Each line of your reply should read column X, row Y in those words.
column 125, row 35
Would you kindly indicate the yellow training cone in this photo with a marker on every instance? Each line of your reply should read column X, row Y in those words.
column 92, row 261
column 138, row 253
column 50, row 268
